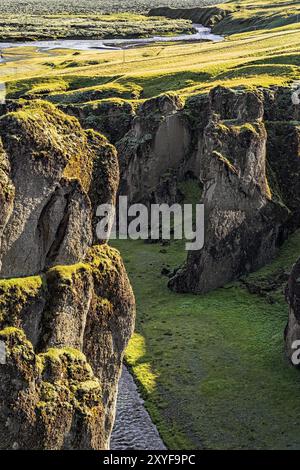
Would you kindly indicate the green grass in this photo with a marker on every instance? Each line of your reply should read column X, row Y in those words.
column 31, row 27
column 263, row 58
column 212, row 368
column 249, row 15
column 236, row 16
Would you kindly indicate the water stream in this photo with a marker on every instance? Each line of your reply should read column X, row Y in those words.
column 202, row 33
column 134, row 429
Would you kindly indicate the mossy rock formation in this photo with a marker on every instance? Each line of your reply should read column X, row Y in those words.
column 66, row 305
column 241, row 147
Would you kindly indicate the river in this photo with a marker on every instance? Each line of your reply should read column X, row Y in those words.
column 134, row 429
column 202, row 34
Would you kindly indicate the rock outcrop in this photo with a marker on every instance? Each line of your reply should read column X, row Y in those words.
column 245, row 222
column 242, row 147
column 112, row 117
column 66, row 305
column 207, row 16
column 152, row 152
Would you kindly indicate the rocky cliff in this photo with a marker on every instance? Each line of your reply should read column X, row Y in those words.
column 207, row 16
column 66, row 305
column 241, row 147
column 151, row 152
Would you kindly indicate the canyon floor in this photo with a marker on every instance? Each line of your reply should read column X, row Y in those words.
column 212, row 369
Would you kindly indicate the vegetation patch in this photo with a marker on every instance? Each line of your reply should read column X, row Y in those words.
column 218, row 373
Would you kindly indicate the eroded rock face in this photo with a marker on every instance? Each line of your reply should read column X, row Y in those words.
column 242, row 147
column 244, row 221
column 50, row 400
column 243, row 225
column 156, row 144
column 67, row 321
column 50, row 167
column 111, row 117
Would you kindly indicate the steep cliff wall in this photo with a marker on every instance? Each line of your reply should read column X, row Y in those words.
column 151, row 153
column 66, row 305
column 241, row 146
column 236, row 17
column 112, row 117
column 208, row 16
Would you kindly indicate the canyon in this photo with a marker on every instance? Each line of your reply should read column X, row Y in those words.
column 170, row 122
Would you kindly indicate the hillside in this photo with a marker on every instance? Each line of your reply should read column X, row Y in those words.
column 239, row 16
column 38, row 7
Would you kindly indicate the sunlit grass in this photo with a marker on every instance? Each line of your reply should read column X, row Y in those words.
column 221, row 377
column 264, row 58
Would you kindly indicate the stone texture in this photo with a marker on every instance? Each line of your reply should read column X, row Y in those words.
column 242, row 223
column 50, row 166
column 66, row 322
column 112, row 117
column 156, row 144
column 50, row 400
column 242, row 148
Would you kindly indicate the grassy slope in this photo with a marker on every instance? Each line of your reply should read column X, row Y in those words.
column 240, row 15
column 257, row 14
column 263, row 57
column 21, row 27
column 212, row 368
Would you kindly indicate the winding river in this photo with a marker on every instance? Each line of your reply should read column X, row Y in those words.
column 202, row 34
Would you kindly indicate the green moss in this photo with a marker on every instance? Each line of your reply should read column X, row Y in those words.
column 18, row 347
column 55, row 354
column 201, row 353
column 11, row 331
column 103, row 257
column 192, row 191
column 15, row 294
column 274, row 188
column 66, row 273
column 247, row 127
column 87, row 386
column 225, row 161
column 67, row 380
